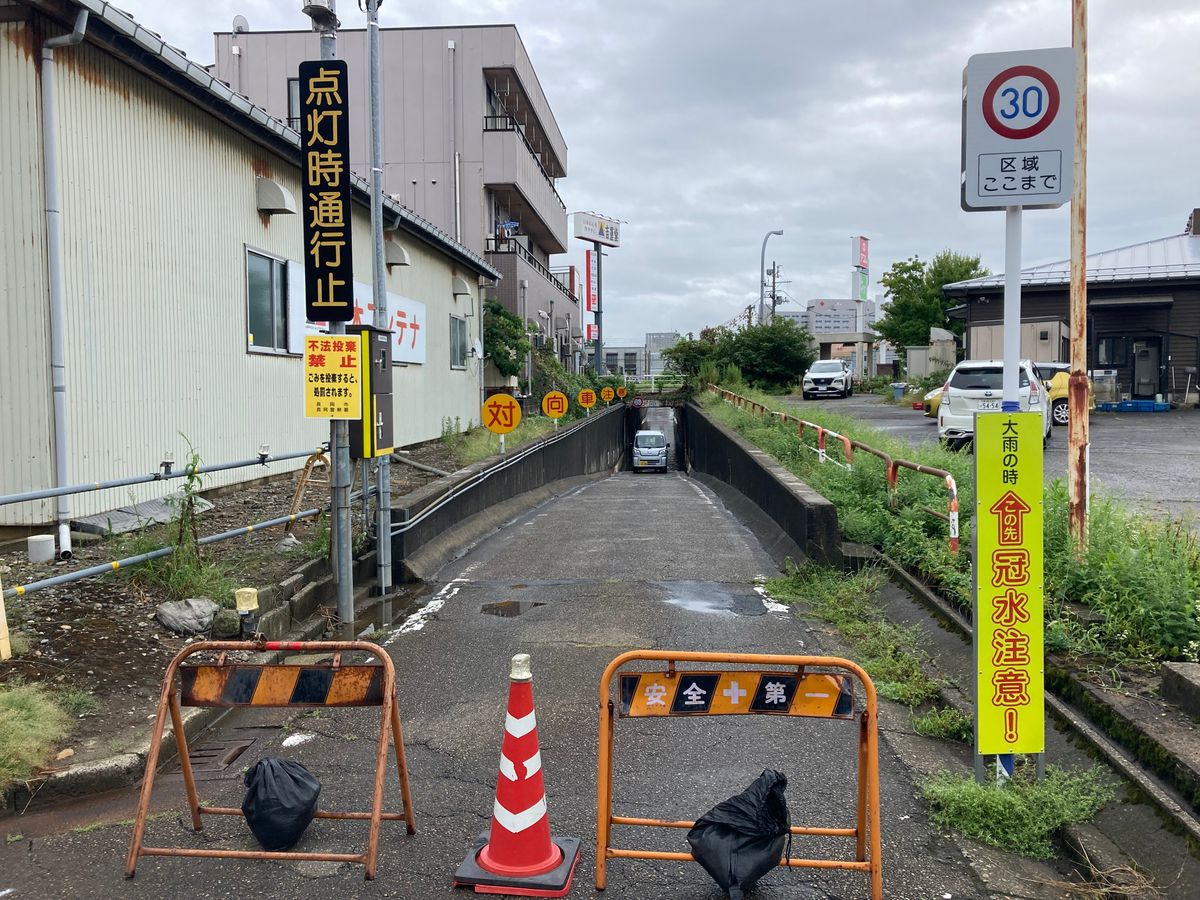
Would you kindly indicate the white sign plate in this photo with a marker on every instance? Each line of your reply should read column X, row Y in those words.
column 598, row 229
column 406, row 320
column 1018, row 129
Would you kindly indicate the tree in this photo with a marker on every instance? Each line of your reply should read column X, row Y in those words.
column 916, row 302
column 687, row 355
column 771, row 355
column 504, row 339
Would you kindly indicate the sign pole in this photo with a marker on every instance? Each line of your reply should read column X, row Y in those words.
column 1077, row 386
column 1012, row 310
column 599, row 357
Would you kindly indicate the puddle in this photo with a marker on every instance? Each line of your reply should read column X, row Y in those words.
column 711, row 599
column 508, row 609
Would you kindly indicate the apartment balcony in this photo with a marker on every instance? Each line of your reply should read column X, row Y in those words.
column 546, row 294
column 514, row 173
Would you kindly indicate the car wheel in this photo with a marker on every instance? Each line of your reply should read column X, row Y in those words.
column 1061, row 413
column 805, row 395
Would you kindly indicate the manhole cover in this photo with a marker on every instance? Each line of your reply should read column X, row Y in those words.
column 508, row 609
column 212, row 758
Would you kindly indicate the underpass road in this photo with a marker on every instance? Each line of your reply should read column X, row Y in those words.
column 630, row 561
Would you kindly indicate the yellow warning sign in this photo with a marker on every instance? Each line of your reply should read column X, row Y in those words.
column 622, row 392
column 332, row 376
column 607, row 393
column 554, row 405
column 586, row 398
column 1009, row 589
column 817, row 695
column 501, row 414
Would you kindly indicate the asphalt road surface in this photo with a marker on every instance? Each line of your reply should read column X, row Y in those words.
column 629, row 561
column 1145, row 459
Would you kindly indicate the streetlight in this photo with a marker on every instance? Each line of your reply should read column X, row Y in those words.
column 762, row 275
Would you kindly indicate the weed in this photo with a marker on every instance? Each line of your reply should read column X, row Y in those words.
column 316, row 545
column 945, row 724
column 77, row 702
column 11, row 838
column 479, row 443
column 890, row 654
column 31, row 723
column 1022, row 815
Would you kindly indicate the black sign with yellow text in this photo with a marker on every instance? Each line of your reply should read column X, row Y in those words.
column 325, row 143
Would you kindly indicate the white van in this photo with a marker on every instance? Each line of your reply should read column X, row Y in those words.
column 650, row 450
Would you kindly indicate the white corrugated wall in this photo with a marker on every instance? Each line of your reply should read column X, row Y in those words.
column 158, row 207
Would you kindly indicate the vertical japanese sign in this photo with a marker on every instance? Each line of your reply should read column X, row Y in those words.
column 325, row 141
column 332, row 377
column 592, row 280
column 591, row 332
column 1008, row 584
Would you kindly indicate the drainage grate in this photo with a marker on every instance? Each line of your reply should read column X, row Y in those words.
column 212, row 758
column 508, row 609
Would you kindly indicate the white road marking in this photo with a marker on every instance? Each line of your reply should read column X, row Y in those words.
column 418, row 620
column 768, row 601
column 294, row 740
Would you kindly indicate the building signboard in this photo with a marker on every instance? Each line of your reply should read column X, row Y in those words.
column 597, row 229
column 1018, row 128
column 406, row 321
column 326, row 208
column 332, row 376
column 591, row 280
column 1010, row 707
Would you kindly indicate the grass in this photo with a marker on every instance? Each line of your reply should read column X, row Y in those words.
column 944, row 724
column 76, row 702
column 890, row 654
column 1022, row 815
column 31, row 723
column 1140, row 575
column 185, row 573
column 478, row 443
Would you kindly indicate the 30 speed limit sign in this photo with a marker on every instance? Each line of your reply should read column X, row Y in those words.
column 1018, row 129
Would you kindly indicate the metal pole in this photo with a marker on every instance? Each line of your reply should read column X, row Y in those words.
column 524, row 285
column 762, row 275
column 383, row 499
column 343, row 569
column 599, row 357
column 1012, row 309
column 1077, row 396
column 774, row 297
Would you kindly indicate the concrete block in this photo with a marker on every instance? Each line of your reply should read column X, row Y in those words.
column 1181, row 686
column 307, row 599
column 289, row 586
column 275, row 624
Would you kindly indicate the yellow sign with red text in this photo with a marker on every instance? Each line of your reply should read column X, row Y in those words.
column 1009, row 594
column 586, row 398
column 607, row 393
column 332, row 377
column 554, row 404
column 501, row 414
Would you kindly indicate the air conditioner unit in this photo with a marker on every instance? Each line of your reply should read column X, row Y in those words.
column 539, row 341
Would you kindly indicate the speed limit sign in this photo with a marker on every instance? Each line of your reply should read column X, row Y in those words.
column 1018, row 129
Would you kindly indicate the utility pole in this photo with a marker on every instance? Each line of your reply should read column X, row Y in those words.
column 1077, row 385
column 774, row 275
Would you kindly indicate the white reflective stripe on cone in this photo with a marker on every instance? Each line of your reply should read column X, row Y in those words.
column 518, row 822
column 520, row 727
column 509, row 769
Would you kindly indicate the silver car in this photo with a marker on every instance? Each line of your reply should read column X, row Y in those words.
column 650, row 451
column 827, row 378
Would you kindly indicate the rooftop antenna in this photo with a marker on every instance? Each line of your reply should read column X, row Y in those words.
column 240, row 25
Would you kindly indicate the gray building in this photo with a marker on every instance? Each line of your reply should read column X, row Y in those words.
column 639, row 359
column 469, row 143
column 826, row 316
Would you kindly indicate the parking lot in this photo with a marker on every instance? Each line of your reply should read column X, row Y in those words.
column 1149, row 460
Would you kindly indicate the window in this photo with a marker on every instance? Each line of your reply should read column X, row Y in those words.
column 984, row 378
column 458, row 343
column 293, row 103
column 266, row 303
column 610, row 362
column 649, row 440
column 631, row 363
column 1111, row 352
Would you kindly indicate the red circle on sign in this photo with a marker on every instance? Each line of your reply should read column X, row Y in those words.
column 1017, row 134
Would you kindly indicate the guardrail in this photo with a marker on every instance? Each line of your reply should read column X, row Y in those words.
column 848, row 446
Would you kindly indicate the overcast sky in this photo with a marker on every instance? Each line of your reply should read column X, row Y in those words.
column 705, row 124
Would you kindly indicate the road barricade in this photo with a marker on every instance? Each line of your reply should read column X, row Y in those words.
column 787, row 686
column 233, row 684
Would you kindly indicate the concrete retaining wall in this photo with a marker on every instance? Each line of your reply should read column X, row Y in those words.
column 594, row 445
column 806, row 517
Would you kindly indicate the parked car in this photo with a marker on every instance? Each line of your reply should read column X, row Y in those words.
column 650, row 450
column 827, row 378
column 976, row 386
column 1056, row 377
column 932, row 401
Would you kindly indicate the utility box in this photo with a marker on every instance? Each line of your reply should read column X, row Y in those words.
column 372, row 435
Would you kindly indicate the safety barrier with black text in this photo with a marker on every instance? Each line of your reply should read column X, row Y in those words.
column 784, row 686
column 228, row 684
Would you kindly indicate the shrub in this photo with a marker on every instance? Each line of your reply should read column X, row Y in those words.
column 31, row 723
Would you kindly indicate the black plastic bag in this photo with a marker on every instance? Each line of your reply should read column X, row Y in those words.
column 281, row 798
column 740, row 840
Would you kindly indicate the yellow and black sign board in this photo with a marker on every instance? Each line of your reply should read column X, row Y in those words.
column 281, row 685
column 817, row 695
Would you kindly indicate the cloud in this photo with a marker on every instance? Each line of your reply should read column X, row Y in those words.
column 705, row 124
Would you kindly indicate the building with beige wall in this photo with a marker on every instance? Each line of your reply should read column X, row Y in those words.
column 182, row 302
column 469, row 142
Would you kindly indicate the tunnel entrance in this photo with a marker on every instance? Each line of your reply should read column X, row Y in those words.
column 670, row 421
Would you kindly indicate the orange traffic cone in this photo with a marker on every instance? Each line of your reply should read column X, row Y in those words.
column 520, row 856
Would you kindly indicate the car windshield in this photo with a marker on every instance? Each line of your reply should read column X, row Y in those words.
column 983, row 378
column 826, row 367
column 649, row 441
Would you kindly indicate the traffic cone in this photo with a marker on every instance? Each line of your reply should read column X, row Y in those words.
column 520, row 856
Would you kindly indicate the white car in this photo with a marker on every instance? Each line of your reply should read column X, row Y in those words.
column 977, row 386
column 650, row 450
column 827, row 378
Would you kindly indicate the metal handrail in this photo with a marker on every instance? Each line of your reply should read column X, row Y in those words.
column 508, row 123
column 509, row 245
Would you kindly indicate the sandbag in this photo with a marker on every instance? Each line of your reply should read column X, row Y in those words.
column 281, row 799
column 740, row 840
